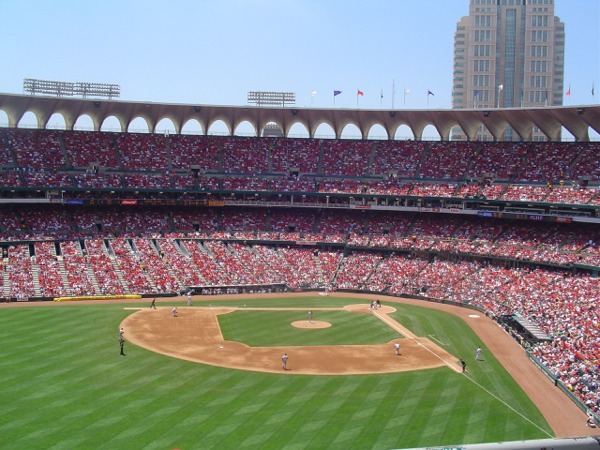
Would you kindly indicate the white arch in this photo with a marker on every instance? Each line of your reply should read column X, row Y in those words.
column 298, row 130
column 430, row 133
column 84, row 123
column 192, row 126
column 403, row 132
column 56, row 122
column 218, row 128
column 377, row 132
column 350, row 131
column 29, row 120
column 165, row 126
column 245, row 128
column 324, row 131
column 3, row 119
column 111, row 123
column 138, row 125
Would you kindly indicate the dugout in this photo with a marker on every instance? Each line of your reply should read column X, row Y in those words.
column 524, row 328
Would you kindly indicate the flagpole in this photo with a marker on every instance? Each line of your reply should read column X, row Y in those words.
column 500, row 87
column 393, row 92
column 335, row 94
column 521, row 97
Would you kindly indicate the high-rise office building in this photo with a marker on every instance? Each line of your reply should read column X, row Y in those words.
column 508, row 54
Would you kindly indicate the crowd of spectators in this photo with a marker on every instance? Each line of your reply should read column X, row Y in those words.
column 547, row 161
column 208, row 267
column 35, row 149
column 51, row 283
column 524, row 172
column 300, row 155
column 79, row 273
column 447, row 160
column 109, row 282
column 133, row 271
column 245, row 155
column 181, row 265
column 87, row 149
column 20, row 273
column 142, row 152
column 153, row 262
column 347, row 158
column 398, row 158
column 201, row 152
column 562, row 244
column 497, row 159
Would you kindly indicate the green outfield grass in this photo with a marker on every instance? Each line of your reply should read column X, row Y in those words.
column 64, row 386
column 272, row 328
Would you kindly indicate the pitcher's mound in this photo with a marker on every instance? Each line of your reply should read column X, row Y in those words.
column 313, row 324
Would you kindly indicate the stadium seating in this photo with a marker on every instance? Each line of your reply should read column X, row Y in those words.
column 240, row 226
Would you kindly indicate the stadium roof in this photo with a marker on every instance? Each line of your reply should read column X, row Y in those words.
column 576, row 119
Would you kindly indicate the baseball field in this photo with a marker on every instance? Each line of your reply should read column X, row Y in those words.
column 183, row 385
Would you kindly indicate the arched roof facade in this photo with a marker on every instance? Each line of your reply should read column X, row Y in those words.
column 576, row 119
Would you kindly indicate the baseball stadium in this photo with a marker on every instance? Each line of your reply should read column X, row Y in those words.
column 426, row 294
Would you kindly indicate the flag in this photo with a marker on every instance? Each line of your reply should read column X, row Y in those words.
column 592, row 89
column 314, row 93
column 382, row 93
column 336, row 93
column 500, row 87
column 568, row 93
column 430, row 93
column 359, row 92
column 476, row 92
column 406, row 91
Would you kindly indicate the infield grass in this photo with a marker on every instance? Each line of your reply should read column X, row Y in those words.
column 272, row 328
column 64, row 386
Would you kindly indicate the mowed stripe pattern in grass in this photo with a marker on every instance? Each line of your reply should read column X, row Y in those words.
column 461, row 341
column 66, row 387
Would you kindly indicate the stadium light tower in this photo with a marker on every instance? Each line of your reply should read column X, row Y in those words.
column 261, row 98
column 68, row 89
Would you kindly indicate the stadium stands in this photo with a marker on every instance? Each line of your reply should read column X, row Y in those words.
column 510, row 228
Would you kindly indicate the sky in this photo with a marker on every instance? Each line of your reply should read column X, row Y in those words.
column 216, row 51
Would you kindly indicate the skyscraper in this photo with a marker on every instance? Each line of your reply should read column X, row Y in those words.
column 508, row 54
